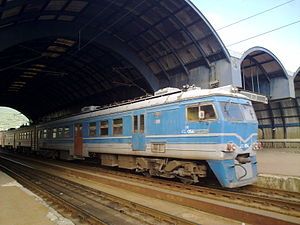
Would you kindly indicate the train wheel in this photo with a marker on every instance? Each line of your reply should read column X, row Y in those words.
column 186, row 180
column 147, row 174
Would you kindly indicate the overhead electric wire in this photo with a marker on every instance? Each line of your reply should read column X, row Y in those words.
column 111, row 25
column 257, row 14
column 261, row 34
column 90, row 21
column 99, row 13
column 20, row 63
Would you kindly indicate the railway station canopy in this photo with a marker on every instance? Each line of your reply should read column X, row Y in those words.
column 56, row 54
column 263, row 73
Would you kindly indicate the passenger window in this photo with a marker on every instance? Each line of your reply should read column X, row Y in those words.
column 45, row 133
column 104, row 128
column 142, row 123
column 54, row 133
column 40, row 134
column 135, row 124
column 60, row 132
column 92, row 130
column 118, row 126
column 193, row 113
column 209, row 112
column 66, row 132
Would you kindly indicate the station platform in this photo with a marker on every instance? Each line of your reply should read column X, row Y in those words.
column 19, row 206
column 279, row 169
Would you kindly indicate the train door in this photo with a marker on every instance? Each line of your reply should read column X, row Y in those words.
column 78, row 142
column 138, row 134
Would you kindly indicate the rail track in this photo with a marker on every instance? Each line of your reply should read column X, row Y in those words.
column 266, row 207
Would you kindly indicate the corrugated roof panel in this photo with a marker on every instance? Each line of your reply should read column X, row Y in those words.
column 150, row 37
column 265, row 122
column 167, row 27
column 145, row 56
column 76, row 6
column 55, row 5
column 154, row 66
column 278, row 121
column 47, row 17
column 66, row 18
column 154, row 15
column 33, row 7
column 210, row 46
column 199, row 30
column 187, row 16
column 169, row 62
column 172, row 5
column 11, row 12
column 262, row 57
column 179, row 40
column 189, row 53
column 271, row 67
column 160, row 49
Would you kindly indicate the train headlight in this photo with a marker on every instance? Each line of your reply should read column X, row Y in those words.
column 230, row 147
column 257, row 146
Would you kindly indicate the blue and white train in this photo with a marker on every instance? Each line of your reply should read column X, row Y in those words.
column 173, row 134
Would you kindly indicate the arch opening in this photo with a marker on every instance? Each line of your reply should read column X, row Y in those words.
column 11, row 118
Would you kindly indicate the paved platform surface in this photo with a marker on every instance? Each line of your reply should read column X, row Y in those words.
column 18, row 206
column 279, row 169
column 278, row 162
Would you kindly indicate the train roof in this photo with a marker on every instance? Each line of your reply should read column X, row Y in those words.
column 163, row 96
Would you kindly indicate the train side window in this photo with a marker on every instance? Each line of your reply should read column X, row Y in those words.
column 92, row 129
column 66, row 132
column 104, row 128
column 45, row 133
column 54, row 133
column 60, row 132
column 193, row 113
column 209, row 112
column 135, row 124
column 118, row 126
column 40, row 134
column 142, row 123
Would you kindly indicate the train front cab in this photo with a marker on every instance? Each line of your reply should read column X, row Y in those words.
column 236, row 165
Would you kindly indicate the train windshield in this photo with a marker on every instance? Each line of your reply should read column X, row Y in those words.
column 238, row 112
column 248, row 112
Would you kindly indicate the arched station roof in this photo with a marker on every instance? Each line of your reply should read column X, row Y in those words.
column 280, row 119
column 259, row 67
column 56, row 54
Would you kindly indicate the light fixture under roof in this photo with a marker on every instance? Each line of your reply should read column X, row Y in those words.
column 54, row 48
column 30, row 73
column 47, row 17
column 39, row 65
column 76, row 6
column 11, row 12
column 26, row 76
column 50, row 54
column 19, row 82
column 64, row 41
column 66, row 18
column 55, row 5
